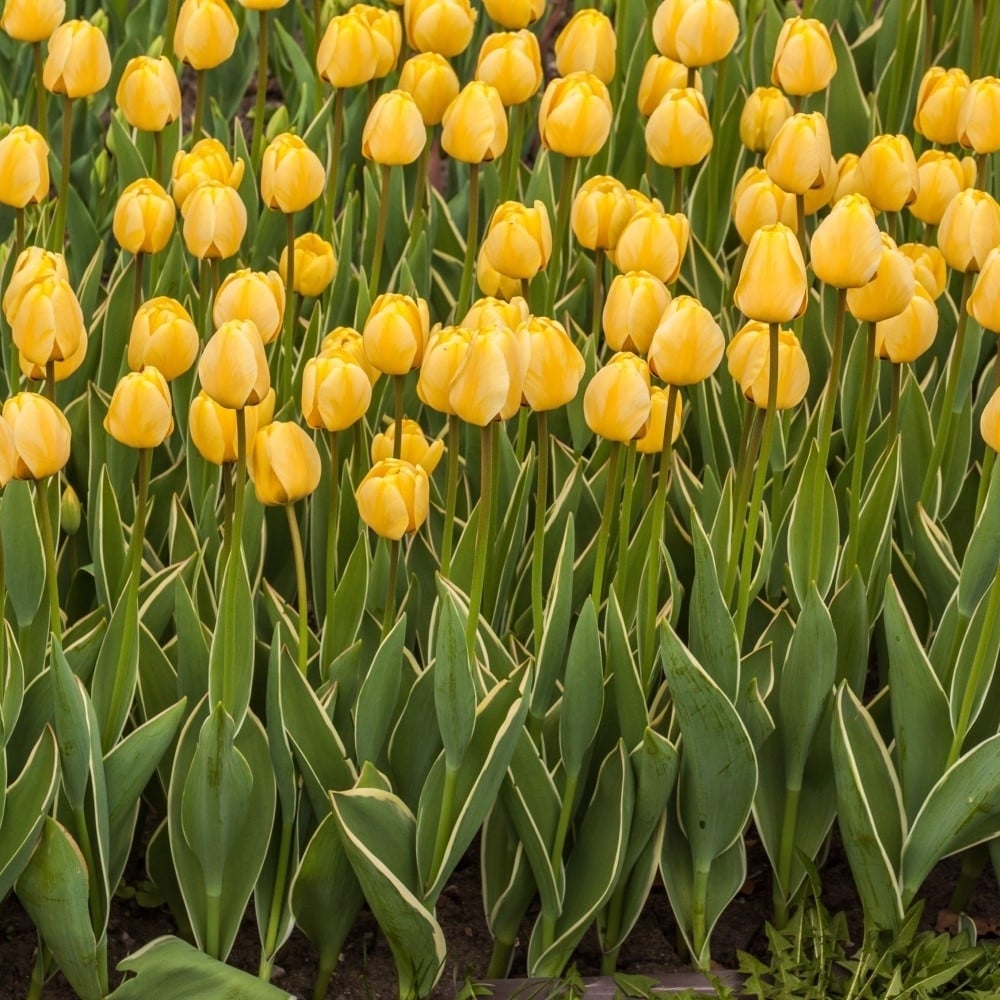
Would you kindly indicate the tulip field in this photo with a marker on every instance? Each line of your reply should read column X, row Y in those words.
column 553, row 437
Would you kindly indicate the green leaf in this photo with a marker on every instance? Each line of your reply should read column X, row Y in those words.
column 117, row 670
column 934, row 562
column 376, row 702
column 982, row 555
column 348, row 606
column 72, row 724
column 629, row 697
column 22, row 548
column 454, row 687
column 847, row 104
column 976, row 664
column 655, row 764
column 555, row 627
column 583, row 692
column 813, row 532
column 231, row 656
column 414, row 746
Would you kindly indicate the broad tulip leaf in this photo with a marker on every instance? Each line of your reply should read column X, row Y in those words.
column 655, row 764
column 231, row 656
column 508, row 883
column 348, row 606
column 982, row 555
column 454, row 687
column 414, row 746
column 11, row 682
column 22, row 548
column 555, row 627
column 635, row 884
column 935, row 563
column 277, row 731
column 976, row 665
column 813, row 531
column 916, row 429
column 116, row 671
column 849, row 613
column 376, row 702
column 629, row 697
column 583, row 692
column 847, row 102
column 875, row 526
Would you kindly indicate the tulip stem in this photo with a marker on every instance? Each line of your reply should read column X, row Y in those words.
column 800, row 224
column 451, row 493
column 559, row 842
column 928, row 34
column 278, row 895
column 333, row 174
column 204, row 298
column 561, row 235
column 317, row 21
column 538, row 540
column 471, row 239
column 300, row 586
column 419, row 196
column 625, row 526
column 332, row 524
column 288, row 336
column 168, row 38
column 943, row 436
column 604, row 533
column 678, row 192
column 137, row 267
column 199, row 107
column 832, row 381
column 763, row 462
column 40, row 98
column 50, row 381
column 383, row 218
column 512, row 157
column 598, row 302
column 977, row 42
column 48, row 544
column 482, row 537
column 986, row 477
column 894, row 392
column 397, row 427
column 239, row 482
column 59, row 229
column 390, row 593
column 18, row 232
column 258, row 116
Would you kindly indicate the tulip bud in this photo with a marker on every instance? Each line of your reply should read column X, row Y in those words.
column 32, row 265
column 512, row 64
column 695, row 32
column 772, row 285
column 616, row 402
column 445, row 353
column 989, row 422
column 759, row 202
column 889, row 292
column 852, row 224
column 969, row 229
column 491, row 282
column 433, row 84
column 514, row 14
column 414, row 446
column 48, row 323
column 601, row 209
column 215, row 220
column 387, row 31
column 887, row 173
column 847, row 177
column 587, row 44
column 78, row 63
column 336, row 391
column 650, row 442
column 474, row 126
column 518, row 241
column 660, row 75
column 32, row 20
column 904, row 337
column 799, row 158
column 347, row 340
column 979, row 116
column 488, row 384
column 489, row 312
column 61, row 370
column 749, row 358
column 941, row 178
column 818, row 198
column 678, row 133
column 144, row 217
column 24, row 167
column 939, row 101
column 164, row 336
column 687, row 344
column 929, row 267
column 395, row 333
column 70, row 510
column 206, row 33
column 632, row 311
column 283, row 463
column 40, row 434
column 148, row 93
column 348, row 52
column 140, row 414
column 394, row 132
column 804, row 60
column 765, row 111
column 291, row 175
column 984, row 301
column 443, row 26
column 575, row 115
column 258, row 296
column 213, row 427
column 208, row 160
column 655, row 242
column 555, row 365
column 233, row 369
column 315, row 264
column 394, row 498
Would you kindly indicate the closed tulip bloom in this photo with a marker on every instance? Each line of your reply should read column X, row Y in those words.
column 695, row 32
column 394, row 498
column 749, row 357
column 816, row 199
column 8, row 456
column 687, row 344
column 233, row 369
column 163, row 335
column 445, row 353
column 61, row 370
column 758, row 202
column 514, row 14
column 650, row 441
column 148, row 93
column 575, row 115
column 939, row 101
column 889, row 292
column 490, row 311
column 347, row 340
column 847, row 177
column 765, row 111
column 432, row 82
column 283, row 463
column 887, row 173
column 78, row 63
column 799, row 158
column 678, row 133
column 213, row 427
column 348, row 54
column 655, row 242
column 443, row 26
column 587, row 43
column 24, row 167
column 904, row 337
column 40, row 434
column 215, row 220
column 262, row 4
column 32, row 20
column 616, row 402
column 511, row 63
column 850, row 224
column 336, row 391
column 395, row 332
column 32, row 265
column 941, row 178
column 48, row 323
column 601, row 210
column 144, row 217
column 474, row 126
column 315, row 264
column 490, row 380
column 659, row 75
column 208, row 160
column 984, row 301
column 633, row 308
column 969, row 229
column 258, row 296
column 555, row 367
column 491, row 282
column 518, row 240
column 206, row 33
column 394, row 132
column 979, row 116
column 804, row 60
column 989, row 422
column 772, row 284
column 140, row 414
column 414, row 447
column 291, row 175
column 929, row 266
column 388, row 34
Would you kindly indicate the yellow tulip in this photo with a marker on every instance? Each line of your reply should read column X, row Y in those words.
column 348, row 340
column 140, row 414
column 336, row 391
column 514, row 14
column 633, row 308
column 414, row 446
column 555, row 366
column 511, row 62
column 929, row 266
column 941, row 178
column 749, row 360
column 163, row 335
column 772, row 283
column 61, row 369
column 488, row 384
column 348, row 52
column 40, row 434
column 575, row 115
column 291, row 174
column 394, row 498
column 206, row 33
column 518, row 241
column 144, row 217
column 984, row 301
column 601, row 210
column 616, row 402
column 851, row 223
column 283, row 463
column 148, row 93
column 48, row 323
column 655, row 242
column 24, row 167
column 445, row 353
column 489, row 311
column 804, row 60
column 395, row 332
column 387, row 31
column 679, row 133
column 213, row 427
column 799, row 157
column 233, row 369
column 695, row 32
column 32, row 264
column 979, row 116
column 208, row 160
column 939, row 101
column 432, row 82
column 887, row 173
column 989, row 422
column 758, row 202
column 687, row 344
column 215, row 220
column 32, row 20
column 765, row 111
column 394, row 132
column 443, row 26
column 78, row 63
column 889, row 292
column 474, row 126
column 650, row 442
column 969, row 229
column 659, row 75
column 904, row 337
column 587, row 43
column 315, row 264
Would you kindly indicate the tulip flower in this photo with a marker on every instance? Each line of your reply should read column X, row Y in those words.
column 587, row 44
column 148, row 94
column 651, row 441
column 78, row 63
column 205, row 35
column 687, row 344
column 443, row 26
column 32, row 265
column 55, row 371
column 939, row 101
column 989, row 422
column 518, row 240
column 24, row 168
column 32, row 21
column 445, row 352
column 215, row 220
column 144, row 217
column 941, row 177
column 350, row 341
column 678, row 133
column 394, row 498
column 765, row 111
column 904, row 337
column 283, row 463
column 40, row 434
column 489, row 382
column 655, row 242
column 887, row 173
column 514, row 14
column 348, row 54
column 659, row 75
column 616, row 400
column 695, row 32
column 395, row 333
column 208, row 160
column 291, row 176
column 852, row 224
column 984, row 301
column 387, row 33
column 804, row 60
column 414, row 447
column 258, row 296
column 140, row 414
column 979, row 116
column 601, row 210
column 164, row 336
column 772, row 283
column 748, row 356
column 969, row 229
column 48, row 323
column 799, row 156
column 511, row 63
column 213, row 426
column 315, row 265
column 632, row 311
column 336, row 391
column 575, row 115
column 929, row 267
column 233, row 369
column 555, row 365
column 487, row 312
column 759, row 202
column 432, row 82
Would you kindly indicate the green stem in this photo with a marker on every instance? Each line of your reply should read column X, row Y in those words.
column 258, row 117
column 397, row 427
column 482, row 537
column 158, row 157
column 471, row 244
column 897, row 381
column 699, row 931
column 390, row 594
column 335, row 153
column 800, row 224
column 50, row 381
column 18, row 232
column 612, row 930
column 48, row 544
column 985, row 478
column 678, row 192
column 977, row 39
column 324, row 973
column 597, row 306
column 785, row 853
column 558, row 843
column 277, row 898
column 444, row 821
column 538, row 538
column 300, row 586
column 213, row 916
column 168, row 38
column 753, row 425
column 604, row 533
column 383, row 217
column 500, row 959
column 943, row 435
column 625, row 527
column 317, row 23
column 205, row 299
column 567, row 182
column 288, row 333
column 140, row 259
column 928, row 34
column 41, row 101
column 37, row 986
column 451, row 494
column 239, row 481
column 829, row 403
column 512, row 156
column 419, row 196
column 62, row 206
column 332, row 525
column 199, row 105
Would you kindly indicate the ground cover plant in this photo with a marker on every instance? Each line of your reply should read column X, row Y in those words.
column 566, row 430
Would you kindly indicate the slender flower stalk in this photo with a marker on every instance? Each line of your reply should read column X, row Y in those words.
column 451, row 494
column 604, row 533
column 538, row 538
column 62, row 206
column 278, row 896
column 383, row 218
column 199, row 105
column 49, row 547
column 41, row 100
column 332, row 526
column 300, row 587
column 397, row 395
column 567, row 183
column 18, row 232
column 625, row 527
column 471, row 243
column 291, row 302
column 390, row 595
column 482, row 536
column 894, row 393
column 597, row 306
column 259, row 107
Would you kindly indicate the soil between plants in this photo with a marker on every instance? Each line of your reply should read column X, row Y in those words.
column 366, row 970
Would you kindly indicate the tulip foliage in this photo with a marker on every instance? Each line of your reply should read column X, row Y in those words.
column 332, row 568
